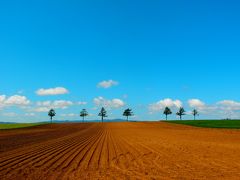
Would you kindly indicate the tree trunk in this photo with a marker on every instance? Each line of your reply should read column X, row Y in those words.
column 83, row 119
column 51, row 119
column 180, row 117
column 127, row 118
column 194, row 117
column 102, row 118
column 166, row 118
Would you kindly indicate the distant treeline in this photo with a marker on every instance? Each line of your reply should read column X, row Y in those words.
column 127, row 113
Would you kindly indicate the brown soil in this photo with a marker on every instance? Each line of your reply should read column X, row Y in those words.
column 119, row 151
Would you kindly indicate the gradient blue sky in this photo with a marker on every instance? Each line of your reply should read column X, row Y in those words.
column 182, row 50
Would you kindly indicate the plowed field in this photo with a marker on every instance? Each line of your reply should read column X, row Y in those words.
column 119, row 151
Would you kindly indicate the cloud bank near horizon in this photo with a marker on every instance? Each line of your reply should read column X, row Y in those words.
column 21, row 106
column 223, row 108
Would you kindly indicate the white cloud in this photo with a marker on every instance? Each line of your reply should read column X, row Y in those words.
column 160, row 105
column 2, row 100
column 44, row 103
column 202, row 107
column 229, row 105
column 45, row 106
column 15, row 100
column 196, row 103
column 114, row 103
column 228, row 109
column 107, row 84
column 222, row 109
column 61, row 104
column 52, row 91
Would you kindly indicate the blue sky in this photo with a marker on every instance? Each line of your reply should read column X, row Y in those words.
column 154, row 54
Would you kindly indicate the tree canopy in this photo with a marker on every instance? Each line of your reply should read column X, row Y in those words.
column 167, row 112
column 83, row 114
column 103, row 113
column 128, row 112
column 51, row 114
column 181, row 112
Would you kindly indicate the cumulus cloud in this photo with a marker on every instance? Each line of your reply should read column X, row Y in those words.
column 222, row 109
column 114, row 103
column 52, row 91
column 228, row 109
column 196, row 103
column 202, row 107
column 2, row 99
column 15, row 100
column 44, row 106
column 61, row 104
column 44, row 103
column 107, row 84
column 160, row 105
column 229, row 105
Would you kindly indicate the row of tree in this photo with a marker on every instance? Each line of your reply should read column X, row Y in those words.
column 103, row 114
column 128, row 113
column 181, row 112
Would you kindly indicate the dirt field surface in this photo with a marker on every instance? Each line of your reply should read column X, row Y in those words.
column 119, row 151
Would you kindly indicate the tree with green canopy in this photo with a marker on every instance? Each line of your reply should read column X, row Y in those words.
column 51, row 114
column 195, row 113
column 167, row 111
column 128, row 112
column 83, row 114
column 181, row 112
column 103, row 113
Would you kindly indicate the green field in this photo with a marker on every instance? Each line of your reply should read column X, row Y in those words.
column 17, row 126
column 230, row 124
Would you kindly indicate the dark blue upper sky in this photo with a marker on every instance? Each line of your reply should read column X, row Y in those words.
column 183, row 50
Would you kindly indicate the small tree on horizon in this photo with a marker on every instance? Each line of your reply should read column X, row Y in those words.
column 181, row 112
column 195, row 113
column 103, row 113
column 83, row 114
column 51, row 114
column 167, row 112
column 128, row 112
